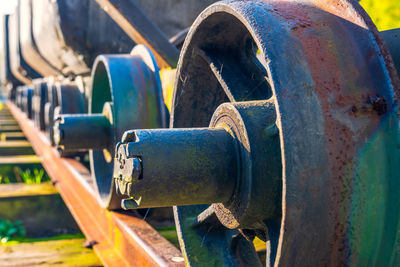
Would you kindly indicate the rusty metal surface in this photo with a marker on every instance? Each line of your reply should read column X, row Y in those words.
column 120, row 239
column 335, row 88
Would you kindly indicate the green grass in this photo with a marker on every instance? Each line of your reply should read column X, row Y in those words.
column 9, row 230
column 28, row 176
column 33, row 177
column 4, row 180
column 21, row 239
column 170, row 234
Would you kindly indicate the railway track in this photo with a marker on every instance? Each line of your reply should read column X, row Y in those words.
column 118, row 238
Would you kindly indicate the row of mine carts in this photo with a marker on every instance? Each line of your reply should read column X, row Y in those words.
column 274, row 121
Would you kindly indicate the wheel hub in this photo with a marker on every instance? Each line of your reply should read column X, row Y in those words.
column 224, row 165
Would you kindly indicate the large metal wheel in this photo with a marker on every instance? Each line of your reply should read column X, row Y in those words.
column 333, row 86
column 125, row 93
column 48, row 106
column 66, row 98
column 39, row 100
column 19, row 96
column 27, row 101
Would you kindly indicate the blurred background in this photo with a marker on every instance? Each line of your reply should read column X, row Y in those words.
column 6, row 6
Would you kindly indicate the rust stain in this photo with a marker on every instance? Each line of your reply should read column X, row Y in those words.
column 321, row 50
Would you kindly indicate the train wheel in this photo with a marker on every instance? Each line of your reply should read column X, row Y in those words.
column 28, row 102
column 67, row 98
column 295, row 139
column 126, row 93
column 39, row 101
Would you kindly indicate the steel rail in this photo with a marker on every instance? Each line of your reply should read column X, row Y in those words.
column 118, row 238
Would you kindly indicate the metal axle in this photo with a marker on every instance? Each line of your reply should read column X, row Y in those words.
column 167, row 156
column 234, row 164
column 79, row 132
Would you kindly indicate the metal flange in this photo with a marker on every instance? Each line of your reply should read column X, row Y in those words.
column 125, row 93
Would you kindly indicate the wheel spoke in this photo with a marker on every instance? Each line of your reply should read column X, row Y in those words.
column 240, row 74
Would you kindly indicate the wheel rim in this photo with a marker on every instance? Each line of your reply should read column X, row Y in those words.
column 66, row 99
column 310, row 41
column 132, row 84
column 39, row 100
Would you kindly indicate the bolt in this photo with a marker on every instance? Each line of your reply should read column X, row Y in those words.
column 131, row 169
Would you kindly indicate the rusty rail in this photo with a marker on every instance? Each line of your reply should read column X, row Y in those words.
column 119, row 239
